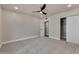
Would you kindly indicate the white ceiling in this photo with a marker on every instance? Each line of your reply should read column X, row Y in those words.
column 50, row 8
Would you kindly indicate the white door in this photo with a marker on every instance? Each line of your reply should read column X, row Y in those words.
column 73, row 29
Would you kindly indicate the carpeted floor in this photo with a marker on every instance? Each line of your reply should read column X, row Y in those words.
column 42, row 45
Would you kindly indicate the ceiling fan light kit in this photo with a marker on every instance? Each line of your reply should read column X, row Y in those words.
column 41, row 10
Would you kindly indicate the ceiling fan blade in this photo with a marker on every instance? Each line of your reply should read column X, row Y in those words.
column 44, row 13
column 43, row 7
column 35, row 11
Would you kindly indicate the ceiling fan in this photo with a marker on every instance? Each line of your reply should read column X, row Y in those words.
column 41, row 9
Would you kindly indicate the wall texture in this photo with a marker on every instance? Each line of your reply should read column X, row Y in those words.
column 17, row 25
column 54, row 22
column 0, row 25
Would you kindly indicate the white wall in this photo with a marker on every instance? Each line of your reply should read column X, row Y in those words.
column 42, row 30
column 54, row 22
column 0, row 24
column 54, row 27
column 17, row 25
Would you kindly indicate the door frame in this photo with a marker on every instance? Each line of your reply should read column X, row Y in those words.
column 45, row 29
column 61, row 22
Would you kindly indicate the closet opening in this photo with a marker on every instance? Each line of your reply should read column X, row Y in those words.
column 63, row 29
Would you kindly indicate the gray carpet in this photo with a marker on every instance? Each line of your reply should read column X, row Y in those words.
column 42, row 45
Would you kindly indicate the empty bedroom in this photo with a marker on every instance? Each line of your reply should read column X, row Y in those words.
column 39, row 29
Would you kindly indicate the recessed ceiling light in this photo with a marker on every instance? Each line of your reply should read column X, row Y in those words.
column 16, row 8
column 69, row 5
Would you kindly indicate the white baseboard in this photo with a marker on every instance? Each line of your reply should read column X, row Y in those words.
column 54, row 37
column 20, row 39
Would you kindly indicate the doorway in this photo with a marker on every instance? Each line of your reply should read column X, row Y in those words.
column 63, row 29
column 46, row 25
